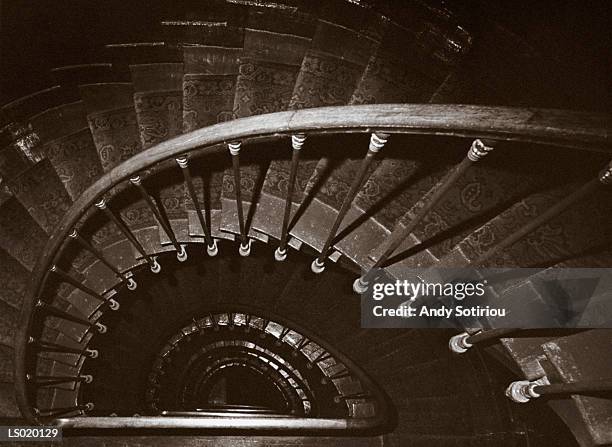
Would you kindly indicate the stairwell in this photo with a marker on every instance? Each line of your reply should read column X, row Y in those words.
column 212, row 222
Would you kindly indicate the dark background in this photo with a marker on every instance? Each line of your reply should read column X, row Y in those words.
column 568, row 41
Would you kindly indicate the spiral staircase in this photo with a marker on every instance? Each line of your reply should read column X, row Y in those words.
column 186, row 215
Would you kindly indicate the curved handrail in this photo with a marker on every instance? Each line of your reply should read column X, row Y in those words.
column 579, row 130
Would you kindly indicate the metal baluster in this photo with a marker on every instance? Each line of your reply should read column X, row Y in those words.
column 477, row 151
column 523, row 391
column 113, row 304
column 69, row 317
column 55, row 412
column 297, row 141
column 44, row 346
column 41, row 381
column 245, row 242
column 152, row 260
column 128, row 280
column 181, row 252
column 211, row 244
column 460, row 343
column 377, row 141
column 604, row 178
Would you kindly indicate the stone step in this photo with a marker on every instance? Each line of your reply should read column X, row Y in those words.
column 158, row 100
column 330, row 71
column 388, row 78
column 583, row 357
column 8, row 404
column 221, row 31
column 69, row 77
column 20, row 235
column 6, row 363
column 480, row 192
column 42, row 193
column 558, row 239
column 252, row 171
column 267, row 73
column 526, row 352
column 209, row 85
column 69, row 146
column 329, row 74
column 9, row 320
column 23, row 108
column 123, row 55
column 112, row 121
column 14, row 278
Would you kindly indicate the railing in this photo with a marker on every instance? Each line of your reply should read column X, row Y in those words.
column 551, row 127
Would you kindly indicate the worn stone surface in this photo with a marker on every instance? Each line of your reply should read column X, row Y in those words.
column 20, row 235
column 75, row 160
column 583, row 357
column 159, row 115
column 40, row 190
column 116, row 135
column 207, row 99
column 14, row 278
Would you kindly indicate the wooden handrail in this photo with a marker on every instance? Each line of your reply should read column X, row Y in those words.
column 577, row 130
column 216, row 421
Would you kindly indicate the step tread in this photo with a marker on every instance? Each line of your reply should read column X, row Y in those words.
column 14, row 278
column 583, row 357
column 558, row 239
column 68, row 144
column 112, row 121
column 209, row 85
column 20, row 234
column 158, row 101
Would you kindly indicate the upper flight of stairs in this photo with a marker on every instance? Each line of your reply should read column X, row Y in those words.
column 237, row 59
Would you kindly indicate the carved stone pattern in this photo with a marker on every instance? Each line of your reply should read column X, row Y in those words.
column 14, row 279
column 138, row 215
column 564, row 236
column 335, row 188
column 263, row 87
column 20, row 235
column 43, row 194
column 174, row 199
column 81, row 260
column 207, row 100
column 116, row 135
column 479, row 190
column 507, row 222
column 76, row 161
column 105, row 234
column 324, row 80
column 276, row 182
column 249, row 175
column 160, row 116
column 392, row 189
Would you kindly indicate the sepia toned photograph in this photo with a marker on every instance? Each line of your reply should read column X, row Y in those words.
column 352, row 223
